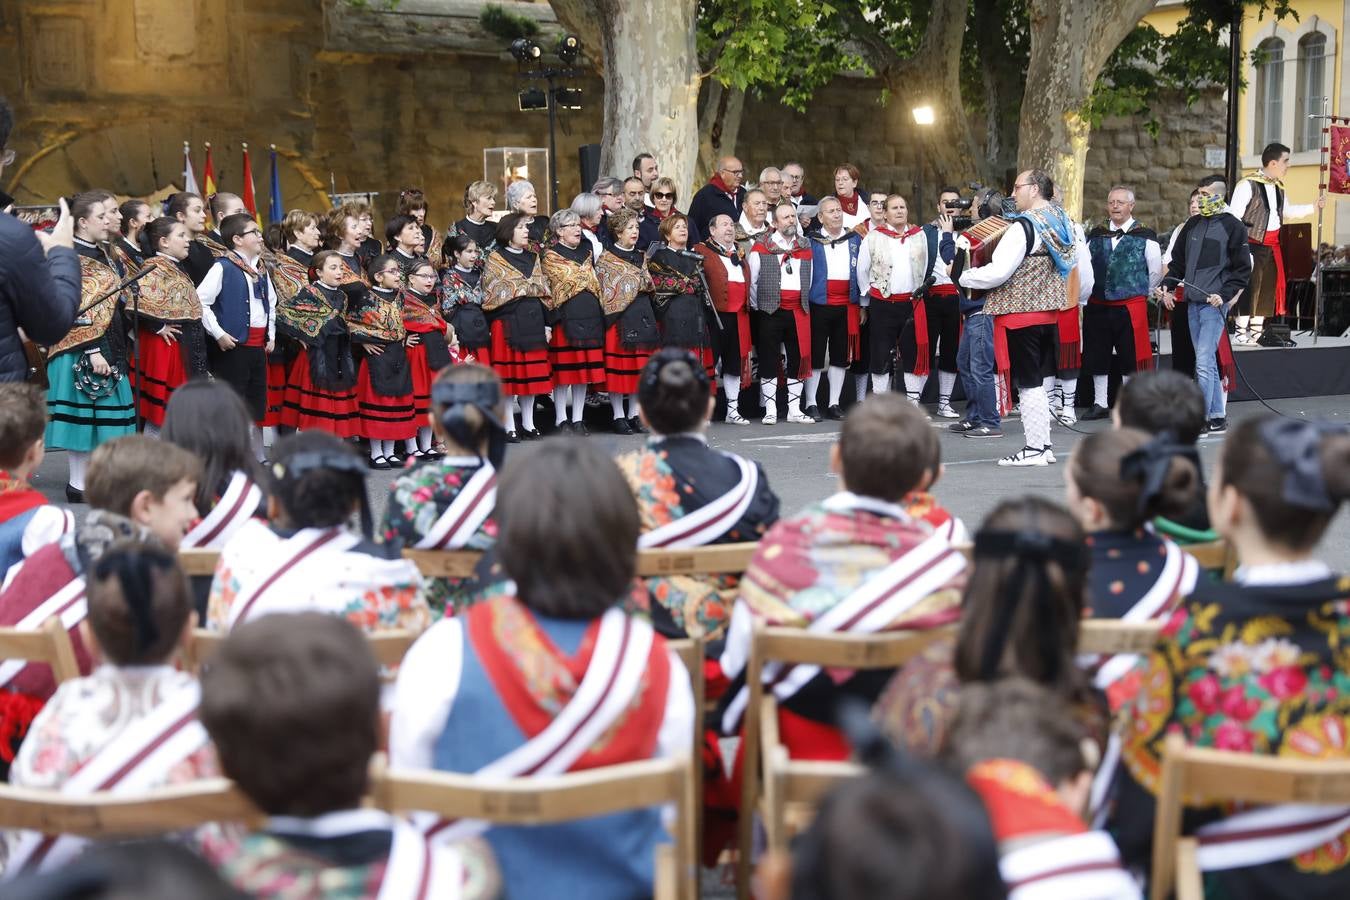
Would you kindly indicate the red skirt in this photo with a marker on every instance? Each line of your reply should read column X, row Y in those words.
column 277, row 376
column 422, row 376
column 307, row 407
column 384, row 418
column 573, row 365
column 523, row 372
column 623, row 365
column 161, row 369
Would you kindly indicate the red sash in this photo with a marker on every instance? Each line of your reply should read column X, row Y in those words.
column 920, row 327
column 1137, row 307
column 837, row 294
column 19, row 501
column 736, row 305
column 1002, row 325
column 1070, row 339
column 257, row 337
column 1272, row 240
column 792, row 301
column 942, row 290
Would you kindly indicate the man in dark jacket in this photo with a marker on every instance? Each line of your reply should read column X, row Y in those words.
column 722, row 194
column 39, row 277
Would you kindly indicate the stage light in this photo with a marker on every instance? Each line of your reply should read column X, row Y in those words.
column 923, row 115
column 569, row 48
column 568, row 98
column 533, row 99
column 525, row 50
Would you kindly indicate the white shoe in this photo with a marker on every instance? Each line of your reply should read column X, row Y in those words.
column 797, row 417
column 945, row 411
column 770, row 416
column 1027, row 456
column 735, row 418
column 1067, row 417
column 1050, row 454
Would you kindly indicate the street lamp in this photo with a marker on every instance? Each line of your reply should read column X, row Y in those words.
column 527, row 53
column 923, row 117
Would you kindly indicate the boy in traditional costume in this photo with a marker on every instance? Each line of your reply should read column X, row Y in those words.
column 27, row 521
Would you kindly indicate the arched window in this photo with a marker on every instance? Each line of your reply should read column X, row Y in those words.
column 1269, row 91
column 1312, row 88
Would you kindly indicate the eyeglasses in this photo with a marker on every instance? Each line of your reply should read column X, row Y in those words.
column 771, row 182
column 734, row 171
column 423, row 275
column 393, row 271
column 1022, row 185
column 662, row 195
column 6, row 158
column 604, row 193
column 247, row 233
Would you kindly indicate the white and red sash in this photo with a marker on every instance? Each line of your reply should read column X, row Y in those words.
column 135, row 761
column 1268, row 834
column 872, row 607
column 281, row 566
column 710, row 521
column 235, row 507
column 68, row 603
column 1176, row 579
column 415, row 869
column 1079, row 865
column 609, row 687
column 465, row 514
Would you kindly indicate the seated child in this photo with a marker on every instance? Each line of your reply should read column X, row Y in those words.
column 855, row 563
column 138, row 487
column 132, row 724
column 305, row 558
column 1164, row 400
column 1117, row 481
column 1025, row 756
column 27, row 520
column 292, row 703
column 690, row 495
column 1256, row 665
column 515, row 684
column 447, row 503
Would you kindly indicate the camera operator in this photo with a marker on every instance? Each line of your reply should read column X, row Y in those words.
column 975, row 357
column 943, row 306
column 39, row 277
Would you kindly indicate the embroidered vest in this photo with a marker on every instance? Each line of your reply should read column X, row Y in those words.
column 879, row 250
column 1120, row 273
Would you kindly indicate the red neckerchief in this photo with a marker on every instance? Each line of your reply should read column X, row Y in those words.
column 17, row 497
column 1019, row 800
column 657, row 214
column 717, row 182
column 891, row 232
column 850, row 204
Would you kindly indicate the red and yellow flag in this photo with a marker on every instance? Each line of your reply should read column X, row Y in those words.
column 209, row 176
column 247, row 194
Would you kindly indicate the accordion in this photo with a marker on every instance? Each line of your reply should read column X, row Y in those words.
column 975, row 248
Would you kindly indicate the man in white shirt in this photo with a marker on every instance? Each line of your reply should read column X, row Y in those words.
column 754, row 222
column 1263, row 212
column 780, row 273
column 239, row 314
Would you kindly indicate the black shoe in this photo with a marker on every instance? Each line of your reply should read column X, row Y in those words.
column 379, row 462
column 74, row 495
column 1097, row 412
column 814, row 412
column 563, row 427
column 580, row 429
column 1215, row 426
column 637, row 426
column 512, row 438
column 835, row 412
column 961, row 427
column 622, row 426
column 395, row 461
column 530, row 434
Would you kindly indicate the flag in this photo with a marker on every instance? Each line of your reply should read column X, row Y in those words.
column 1338, row 181
column 189, row 176
column 208, row 176
column 247, row 195
column 274, row 211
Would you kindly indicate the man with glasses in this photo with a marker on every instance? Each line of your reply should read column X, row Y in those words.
column 39, row 277
column 239, row 314
column 771, row 183
column 794, row 177
column 722, row 194
column 610, row 191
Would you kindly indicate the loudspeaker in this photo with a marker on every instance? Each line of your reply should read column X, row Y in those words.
column 588, row 161
column 1335, row 302
column 1296, row 245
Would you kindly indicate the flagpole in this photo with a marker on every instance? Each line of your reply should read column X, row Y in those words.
column 1323, row 175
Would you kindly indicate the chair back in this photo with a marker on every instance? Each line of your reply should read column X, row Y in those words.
column 389, row 646
column 107, row 815
column 196, row 561
column 713, row 559
column 49, row 644
column 1118, row 636
column 1214, row 556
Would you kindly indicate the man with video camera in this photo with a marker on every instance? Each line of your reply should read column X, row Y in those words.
column 975, row 356
column 39, row 277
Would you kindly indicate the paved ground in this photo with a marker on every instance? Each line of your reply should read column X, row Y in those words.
column 796, row 459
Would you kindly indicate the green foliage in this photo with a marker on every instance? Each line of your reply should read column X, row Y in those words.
column 505, row 24
column 390, row 5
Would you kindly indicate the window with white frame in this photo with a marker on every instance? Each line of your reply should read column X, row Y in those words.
column 1312, row 63
column 1269, row 91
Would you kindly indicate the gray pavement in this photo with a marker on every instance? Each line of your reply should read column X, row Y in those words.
column 796, row 458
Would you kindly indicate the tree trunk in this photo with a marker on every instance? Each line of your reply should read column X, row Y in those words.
column 651, row 81
column 1070, row 43
column 719, row 125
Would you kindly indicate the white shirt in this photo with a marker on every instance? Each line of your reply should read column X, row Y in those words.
column 902, row 277
column 787, row 280
column 1152, row 253
column 734, row 272
column 836, row 256
column 1242, row 196
column 258, row 316
column 597, row 248
column 1083, row 263
column 1304, row 571
column 752, row 230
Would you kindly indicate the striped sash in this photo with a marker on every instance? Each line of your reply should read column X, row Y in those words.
column 285, row 558
column 1079, row 865
column 68, row 603
column 236, row 506
column 1268, row 834
column 711, row 521
column 466, row 513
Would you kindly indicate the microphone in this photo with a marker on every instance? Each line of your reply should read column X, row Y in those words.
column 689, row 254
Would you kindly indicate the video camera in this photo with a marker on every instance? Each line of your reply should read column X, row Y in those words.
column 961, row 223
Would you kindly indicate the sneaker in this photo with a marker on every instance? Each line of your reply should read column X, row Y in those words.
column 770, row 416
column 1097, row 412
column 1067, row 417
column 1217, row 426
column 961, row 427
column 814, row 412
column 835, row 412
column 945, row 411
column 1027, row 456
column 984, row 431
column 797, row 417
column 735, row 418
column 1050, row 454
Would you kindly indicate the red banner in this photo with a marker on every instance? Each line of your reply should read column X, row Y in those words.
column 1338, row 178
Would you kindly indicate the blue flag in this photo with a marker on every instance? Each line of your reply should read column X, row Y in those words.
column 274, row 210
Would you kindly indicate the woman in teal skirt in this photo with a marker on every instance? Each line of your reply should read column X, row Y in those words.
column 89, row 398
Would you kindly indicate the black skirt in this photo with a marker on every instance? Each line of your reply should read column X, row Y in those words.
column 471, row 326
column 390, row 374
column 583, row 322
column 683, row 322
column 523, row 319
column 637, row 324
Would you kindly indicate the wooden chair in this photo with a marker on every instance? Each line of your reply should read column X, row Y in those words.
column 389, row 646
column 49, row 644
column 105, row 815
column 445, row 563
column 1198, row 775
column 786, row 781
column 714, row 559
column 690, row 651
column 1215, row 556
column 547, row 800
column 1118, row 636
column 198, row 562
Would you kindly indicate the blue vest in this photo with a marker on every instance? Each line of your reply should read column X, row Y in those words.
column 11, row 539
column 607, row 856
column 231, row 304
column 1120, row 273
column 820, row 273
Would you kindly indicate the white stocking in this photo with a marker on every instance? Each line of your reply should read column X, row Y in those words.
column 1035, row 409
column 152, row 430
column 78, row 464
column 946, row 381
column 836, row 374
column 1068, row 389
column 527, row 412
column 1099, row 391
column 881, row 383
column 914, row 385
column 731, row 386
column 860, row 387
column 813, row 387
column 632, row 406
column 768, row 394
column 269, row 434
column 616, row 405
column 424, row 437
column 255, row 436
column 560, row 397
column 511, row 415
column 578, row 401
